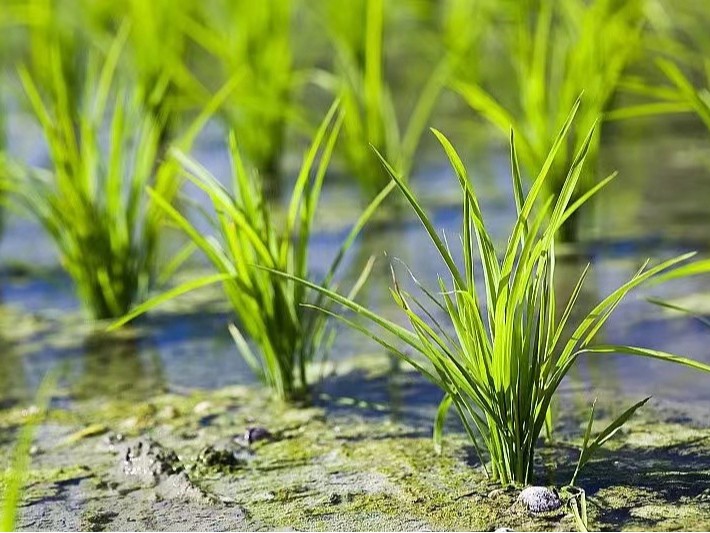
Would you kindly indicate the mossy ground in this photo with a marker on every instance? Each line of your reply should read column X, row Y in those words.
column 351, row 469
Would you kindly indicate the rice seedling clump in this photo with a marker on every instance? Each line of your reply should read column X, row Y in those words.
column 270, row 311
column 503, row 353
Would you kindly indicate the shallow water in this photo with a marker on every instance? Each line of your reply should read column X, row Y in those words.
column 658, row 207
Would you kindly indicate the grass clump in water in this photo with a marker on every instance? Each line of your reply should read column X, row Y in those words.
column 503, row 354
column 369, row 100
column 92, row 202
column 559, row 49
column 253, row 41
column 270, row 310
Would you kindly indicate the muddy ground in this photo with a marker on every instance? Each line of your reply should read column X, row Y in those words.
column 232, row 459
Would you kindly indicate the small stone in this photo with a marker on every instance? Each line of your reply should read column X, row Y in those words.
column 254, row 434
column 540, row 499
column 503, row 530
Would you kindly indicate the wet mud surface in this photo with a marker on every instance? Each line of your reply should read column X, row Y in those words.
column 231, row 459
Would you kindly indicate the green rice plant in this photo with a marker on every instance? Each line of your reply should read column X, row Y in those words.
column 463, row 33
column 106, row 239
column 503, row 352
column 679, row 95
column 368, row 100
column 15, row 477
column 680, row 32
column 559, row 49
column 253, row 40
column 270, row 311
column 155, row 53
column 54, row 24
column 92, row 202
column 157, row 48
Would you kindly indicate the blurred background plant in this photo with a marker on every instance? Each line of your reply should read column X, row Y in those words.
column 253, row 40
column 679, row 52
column 373, row 117
column 92, row 202
column 519, row 63
column 557, row 51
column 157, row 59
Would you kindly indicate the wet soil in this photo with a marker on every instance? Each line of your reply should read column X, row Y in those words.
column 185, row 461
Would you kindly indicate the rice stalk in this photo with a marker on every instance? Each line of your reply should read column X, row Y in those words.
column 255, row 41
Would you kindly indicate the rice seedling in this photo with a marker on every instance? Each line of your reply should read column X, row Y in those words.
column 157, row 47
column 105, row 240
column 680, row 32
column 463, row 32
column 253, row 40
column 559, row 50
column 92, row 202
column 368, row 100
column 50, row 24
column 154, row 58
column 679, row 95
column 288, row 337
column 15, row 476
column 503, row 353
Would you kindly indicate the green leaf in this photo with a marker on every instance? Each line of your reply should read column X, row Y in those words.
column 588, row 450
column 684, row 310
column 439, row 421
column 173, row 293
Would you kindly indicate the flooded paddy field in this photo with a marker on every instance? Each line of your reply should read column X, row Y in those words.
column 374, row 265
column 149, row 427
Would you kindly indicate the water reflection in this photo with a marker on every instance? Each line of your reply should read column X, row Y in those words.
column 13, row 377
column 126, row 369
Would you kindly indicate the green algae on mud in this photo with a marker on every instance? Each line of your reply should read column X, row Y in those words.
column 349, row 469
